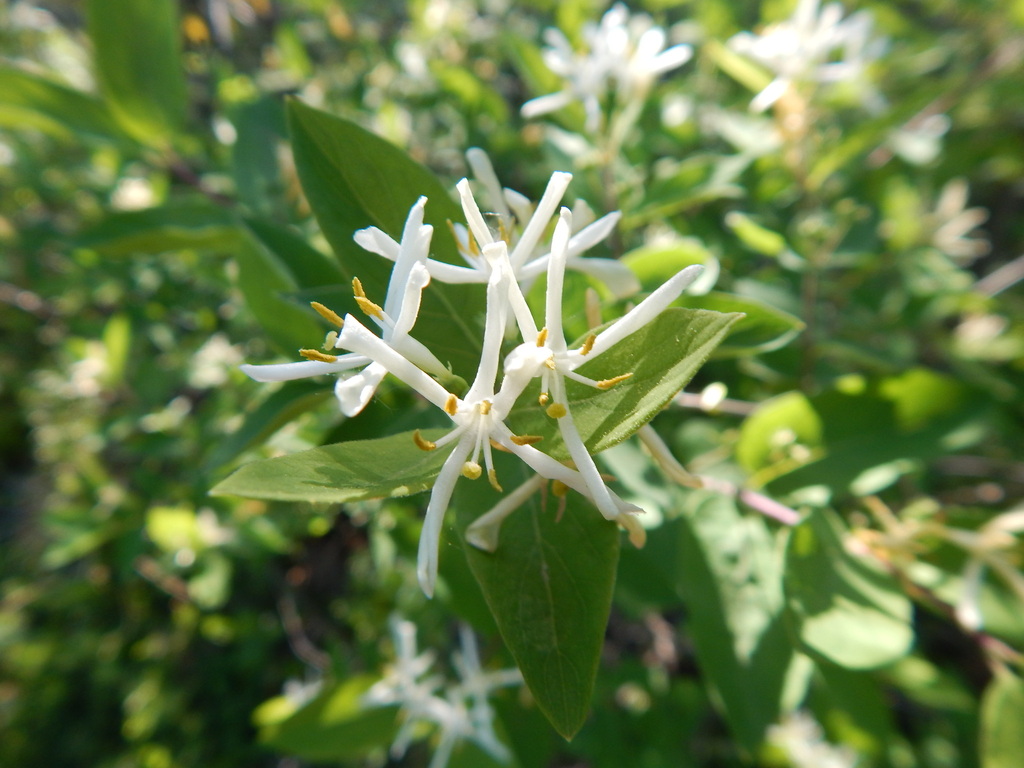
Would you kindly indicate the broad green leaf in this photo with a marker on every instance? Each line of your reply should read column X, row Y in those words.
column 266, row 284
column 331, row 474
column 163, row 229
column 1002, row 713
column 662, row 356
column 334, row 726
column 844, row 608
column 549, row 587
column 756, row 237
column 729, row 574
column 861, row 435
column 137, row 54
column 354, row 179
column 292, row 399
column 307, row 267
column 764, row 328
column 255, row 156
column 28, row 100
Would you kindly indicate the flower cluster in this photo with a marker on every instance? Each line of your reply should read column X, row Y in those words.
column 459, row 711
column 622, row 55
column 815, row 45
column 504, row 261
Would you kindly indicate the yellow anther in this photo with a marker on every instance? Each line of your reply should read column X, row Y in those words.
column 472, row 470
column 550, row 363
column 330, row 340
column 451, row 405
column 316, row 354
column 422, row 443
column 357, row 288
column 369, row 307
column 327, row 314
column 503, row 232
column 492, row 478
column 556, row 410
column 542, row 337
column 526, row 439
column 484, row 408
column 543, row 399
column 609, row 383
column 588, row 344
column 497, row 446
column 558, row 488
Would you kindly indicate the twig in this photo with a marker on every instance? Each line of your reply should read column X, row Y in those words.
column 298, row 640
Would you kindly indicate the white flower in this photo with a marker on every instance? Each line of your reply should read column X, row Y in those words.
column 396, row 318
column 523, row 227
column 459, row 711
column 478, row 418
column 548, row 356
column 990, row 547
column 810, row 47
column 953, row 223
column 622, row 53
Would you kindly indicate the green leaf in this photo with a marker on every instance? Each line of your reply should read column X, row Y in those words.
column 1002, row 712
column 27, row 100
column 334, row 726
column 729, row 574
column 844, row 608
column 354, row 179
column 331, row 474
column 765, row 328
column 266, row 282
column 307, row 267
column 549, row 587
column 662, row 356
column 163, row 229
column 292, row 399
column 137, row 54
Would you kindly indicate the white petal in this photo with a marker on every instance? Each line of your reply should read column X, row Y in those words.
column 534, row 230
column 303, row 369
column 556, row 279
column 355, row 336
column 377, row 241
column 354, row 392
column 483, row 170
column 440, row 496
column 645, row 311
column 772, row 93
column 542, row 105
column 474, row 218
column 483, row 532
column 671, row 58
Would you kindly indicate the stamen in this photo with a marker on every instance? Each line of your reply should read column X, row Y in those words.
column 543, row 399
column 498, row 446
column 503, row 232
column 370, row 308
column 526, row 439
column 609, row 383
column 451, row 405
column 316, row 354
column 492, row 478
column 556, row 410
column 588, row 344
column 550, row 363
column 327, row 314
column 357, row 288
column 542, row 337
column 484, row 408
column 422, row 443
column 558, row 488
column 331, row 339
column 472, row 470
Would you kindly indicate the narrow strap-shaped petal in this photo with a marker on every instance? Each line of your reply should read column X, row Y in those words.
column 474, row 218
column 483, row 170
column 643, row 312
column 433, row 521
column 556, row 280
column 376, row 241
column 534, row 230
column 483, row 532
column 405, row 304
column 494, row 330
column 356, row 337
column 303, row 369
